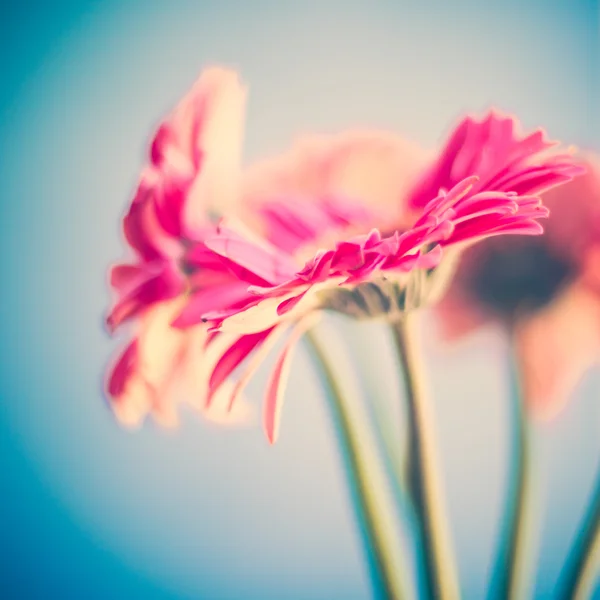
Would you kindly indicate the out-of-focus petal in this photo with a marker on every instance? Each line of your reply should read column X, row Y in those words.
column 155, row 283
column 556, row 347
column 223, row 413
column 458, row 315
column 575, row 212
column 194, row 167
column 220, row 138
column 141, row 382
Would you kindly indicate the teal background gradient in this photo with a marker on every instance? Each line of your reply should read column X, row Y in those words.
column 88, row 510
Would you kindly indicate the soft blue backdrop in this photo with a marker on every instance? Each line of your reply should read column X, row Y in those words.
column 89, row 510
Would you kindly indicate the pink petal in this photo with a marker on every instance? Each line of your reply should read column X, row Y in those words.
column 272, row 267
column 137, row 232
column 169, row 201
column 156, row 288
column 289, row 304
column 123, row 369
column 233, row 357
column 124, row 277
column 210, row 299
column 348, row 255
column 254, row 363
column 431, row 259
column 278, row 380
column 557, row 347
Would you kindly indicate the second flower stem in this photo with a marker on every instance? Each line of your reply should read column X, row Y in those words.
column 511, row 576
column 423, row 477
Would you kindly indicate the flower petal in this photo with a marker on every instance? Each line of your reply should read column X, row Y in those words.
column 161, row 283
column 273, row 267
column 278, row 380
column 556, row 347
column 232, row 358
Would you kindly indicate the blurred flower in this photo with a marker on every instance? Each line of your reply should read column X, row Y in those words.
column 274, row 292
column 374, row 167
column 192, row 168
column 191, row 178
column 547, row 288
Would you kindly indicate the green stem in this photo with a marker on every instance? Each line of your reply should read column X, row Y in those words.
column 583, row 564
column 440, row 578
column 511, row 575
column 383, row 554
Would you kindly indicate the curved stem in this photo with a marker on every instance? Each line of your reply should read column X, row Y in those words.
column 583, row 564
column 441, row 580
column 386, row 564
column 511, row 573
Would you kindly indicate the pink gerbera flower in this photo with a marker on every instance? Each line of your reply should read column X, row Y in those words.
column 368, row 274
column 396, row 177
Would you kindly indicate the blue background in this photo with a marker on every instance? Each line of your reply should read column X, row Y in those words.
column 90, row 510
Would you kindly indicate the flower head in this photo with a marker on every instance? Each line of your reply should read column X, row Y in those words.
column 257, row 290
column 546, row 288
column 190, row 169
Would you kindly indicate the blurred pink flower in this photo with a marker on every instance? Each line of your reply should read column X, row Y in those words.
column 548, row 288
column 272, row 292
column 192, row 167
column 374, row 167
column 396, row 179
column 193, row 176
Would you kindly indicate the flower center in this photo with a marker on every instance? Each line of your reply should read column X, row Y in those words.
column 510, row 276
column 381, row 298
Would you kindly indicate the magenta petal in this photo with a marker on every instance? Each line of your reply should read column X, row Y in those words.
column 255, row 361
column 136, row 231
column 318, row 268
column 162, row 138
column 278, row 380
column 472, row 230
column 431, row 259
column 232, row 358
column 273, row 267
column 208, row 300
column 348, row 255
column 123, row 277
column 289, row 304
column 442, row 170
column 122, row 370
column 156, row 288
column 169, row 205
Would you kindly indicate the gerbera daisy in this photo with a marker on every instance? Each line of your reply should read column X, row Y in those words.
column 370, row 274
